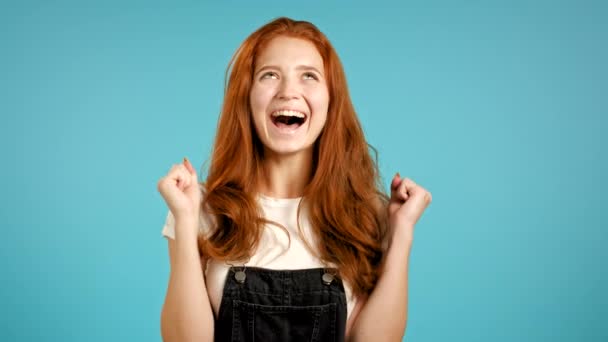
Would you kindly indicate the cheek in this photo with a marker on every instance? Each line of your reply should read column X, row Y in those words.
column 260, row 97
column 258, row 102
column 320, row 104
column 254, row 99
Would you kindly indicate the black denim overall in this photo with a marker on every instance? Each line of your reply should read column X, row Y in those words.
column 268, row 305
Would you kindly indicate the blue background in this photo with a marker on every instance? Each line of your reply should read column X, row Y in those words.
column 499, row 108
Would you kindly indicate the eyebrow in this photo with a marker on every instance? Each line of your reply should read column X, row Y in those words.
column 299, row 67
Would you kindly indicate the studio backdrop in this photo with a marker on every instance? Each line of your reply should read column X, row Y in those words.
column 496, row 107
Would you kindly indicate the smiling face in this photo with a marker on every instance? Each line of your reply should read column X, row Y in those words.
column 289, row 96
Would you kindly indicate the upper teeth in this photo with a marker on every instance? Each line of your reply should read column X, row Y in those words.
column 288, row 113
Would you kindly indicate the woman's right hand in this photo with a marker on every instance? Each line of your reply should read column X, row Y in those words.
column 180, row 190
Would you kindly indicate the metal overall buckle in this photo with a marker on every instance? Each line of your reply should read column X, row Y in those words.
column 328, row 275
column 239, row 275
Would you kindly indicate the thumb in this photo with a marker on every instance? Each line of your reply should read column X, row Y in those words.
column 396, row 181
column 188, row 166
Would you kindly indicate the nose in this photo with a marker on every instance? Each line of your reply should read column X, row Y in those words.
column 288, row 90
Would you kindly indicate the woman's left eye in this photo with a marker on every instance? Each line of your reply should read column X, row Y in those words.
column 310, row 75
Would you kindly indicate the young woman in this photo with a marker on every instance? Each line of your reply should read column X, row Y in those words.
column 291, row 237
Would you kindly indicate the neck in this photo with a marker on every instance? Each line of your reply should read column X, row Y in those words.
column 286, row 176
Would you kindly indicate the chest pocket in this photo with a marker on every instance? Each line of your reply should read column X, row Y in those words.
column 255, row 322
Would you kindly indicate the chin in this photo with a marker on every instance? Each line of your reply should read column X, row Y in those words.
column 288, row 150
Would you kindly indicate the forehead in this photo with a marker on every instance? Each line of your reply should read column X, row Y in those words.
column 285, row 51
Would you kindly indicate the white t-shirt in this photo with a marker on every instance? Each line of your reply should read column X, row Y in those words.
column 273, row 251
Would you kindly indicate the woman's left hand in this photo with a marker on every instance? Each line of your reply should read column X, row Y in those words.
column 408, row 202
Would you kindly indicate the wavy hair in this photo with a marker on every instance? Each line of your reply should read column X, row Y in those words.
column 344, row 199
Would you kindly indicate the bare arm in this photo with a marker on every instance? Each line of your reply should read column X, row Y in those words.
column 384, row 314
column 186, row 313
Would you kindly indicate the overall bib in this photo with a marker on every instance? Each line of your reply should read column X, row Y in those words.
column 266, row 305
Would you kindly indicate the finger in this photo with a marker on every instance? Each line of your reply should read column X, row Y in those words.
column 425, row 195
column 188, row 165
column 193, row 174
column 186, row 177
column 416, row 191
column 402, row 191
column 180, row 175
column 396, row 181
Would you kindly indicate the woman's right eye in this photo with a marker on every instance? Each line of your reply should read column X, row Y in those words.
column 269, row 74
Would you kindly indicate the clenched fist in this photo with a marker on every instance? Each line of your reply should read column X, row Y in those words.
column 408, row 202
column 181, row 191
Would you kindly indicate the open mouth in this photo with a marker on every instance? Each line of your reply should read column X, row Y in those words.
column 288, row 118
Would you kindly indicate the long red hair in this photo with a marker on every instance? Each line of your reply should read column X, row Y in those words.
column 345, row 201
